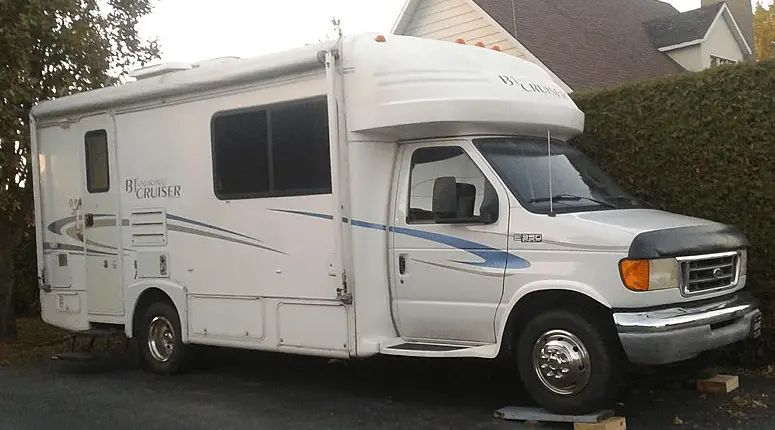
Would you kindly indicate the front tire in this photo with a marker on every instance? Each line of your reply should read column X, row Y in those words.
column 162, row 350
column 568, row 364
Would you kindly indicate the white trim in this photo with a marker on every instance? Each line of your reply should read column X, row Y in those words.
column 37, row 199
column 737, row 33
column 681, row 45
column 736, row 30
column 405, row 16
column 411, row 6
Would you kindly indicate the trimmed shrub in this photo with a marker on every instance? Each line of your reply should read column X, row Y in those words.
column 700, row 144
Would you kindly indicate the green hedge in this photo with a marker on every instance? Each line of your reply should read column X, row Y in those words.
column 700, row 144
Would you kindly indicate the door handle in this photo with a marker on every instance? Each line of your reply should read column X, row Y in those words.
column 401, row 264
column 88, row 220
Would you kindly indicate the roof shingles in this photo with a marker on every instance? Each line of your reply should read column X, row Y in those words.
column 588, row 43
column 684, row 27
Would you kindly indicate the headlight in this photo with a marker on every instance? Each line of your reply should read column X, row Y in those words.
column 649, row 275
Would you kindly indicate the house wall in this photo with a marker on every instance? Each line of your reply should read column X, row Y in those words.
column 691, row 57
column 452, row 19
column 722, row 43
column 742, row 10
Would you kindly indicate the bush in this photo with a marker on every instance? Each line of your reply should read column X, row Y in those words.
column 700, row 144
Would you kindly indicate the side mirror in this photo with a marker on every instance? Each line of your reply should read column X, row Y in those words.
column 444, row 197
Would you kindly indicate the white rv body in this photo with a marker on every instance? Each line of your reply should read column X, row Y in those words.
column 327, row 259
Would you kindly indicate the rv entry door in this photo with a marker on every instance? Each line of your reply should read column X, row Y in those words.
column 100, row 222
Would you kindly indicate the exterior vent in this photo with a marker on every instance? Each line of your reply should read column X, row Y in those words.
column 215, row 61
column 158, row 70
column 149, row 227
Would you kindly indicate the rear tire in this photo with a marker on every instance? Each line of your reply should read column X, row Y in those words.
column 162, row 350
column 569, row 364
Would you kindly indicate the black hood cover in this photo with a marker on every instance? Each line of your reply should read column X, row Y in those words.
column 684, row 241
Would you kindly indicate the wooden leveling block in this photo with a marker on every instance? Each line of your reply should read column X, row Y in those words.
column 613, row 423
column 718, row 384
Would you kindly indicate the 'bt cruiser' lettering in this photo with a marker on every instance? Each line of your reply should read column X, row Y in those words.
column 531, row 87
column 145, row 189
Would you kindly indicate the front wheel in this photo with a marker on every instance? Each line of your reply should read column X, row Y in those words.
column 568, row 364
column 162, row 350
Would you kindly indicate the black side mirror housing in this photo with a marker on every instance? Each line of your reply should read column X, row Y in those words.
column 444, row 197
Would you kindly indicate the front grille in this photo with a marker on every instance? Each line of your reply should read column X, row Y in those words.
column 709, row 272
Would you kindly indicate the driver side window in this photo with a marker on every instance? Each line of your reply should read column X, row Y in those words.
column 446, row 186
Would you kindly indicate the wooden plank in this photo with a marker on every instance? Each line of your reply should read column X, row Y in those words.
column 613, row 423
column 718, row 384
column 518, row 413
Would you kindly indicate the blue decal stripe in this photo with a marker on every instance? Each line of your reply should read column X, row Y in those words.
column 370, row 225
column 309, row 214
column 493, row 258
column 356, row 223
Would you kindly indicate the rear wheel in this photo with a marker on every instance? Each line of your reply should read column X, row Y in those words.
column 568, row 364
column 161, row 349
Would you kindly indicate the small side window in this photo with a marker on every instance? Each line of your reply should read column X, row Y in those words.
column 447, row 187
column 97, row 165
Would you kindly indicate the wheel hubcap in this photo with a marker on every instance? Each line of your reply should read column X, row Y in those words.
column 561, row 362
column 161, row 339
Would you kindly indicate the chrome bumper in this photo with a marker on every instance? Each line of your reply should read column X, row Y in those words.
column 668, row 335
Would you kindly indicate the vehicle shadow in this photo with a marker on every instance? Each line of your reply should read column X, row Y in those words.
column 470, row 383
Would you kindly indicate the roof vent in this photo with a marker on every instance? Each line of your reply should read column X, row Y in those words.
column 215, row 61
column 158, row 70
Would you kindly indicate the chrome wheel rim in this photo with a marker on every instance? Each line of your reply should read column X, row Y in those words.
column 161, row 339
column 561, row 362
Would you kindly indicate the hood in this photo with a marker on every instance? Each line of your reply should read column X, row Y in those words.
column 660, row 234
column 635, row 221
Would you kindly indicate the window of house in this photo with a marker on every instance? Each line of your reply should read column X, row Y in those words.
column 718, row 61
column 475, row 194
column 97, row 165
column 274, row 151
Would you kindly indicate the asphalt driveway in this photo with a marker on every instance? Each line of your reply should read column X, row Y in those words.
column 248, row 390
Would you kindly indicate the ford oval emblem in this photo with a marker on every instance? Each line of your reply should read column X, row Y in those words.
column 717, row 273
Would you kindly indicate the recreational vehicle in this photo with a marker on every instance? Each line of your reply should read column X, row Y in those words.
column 374, row 194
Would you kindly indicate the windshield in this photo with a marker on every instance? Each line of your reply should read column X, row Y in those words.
column 576, row 183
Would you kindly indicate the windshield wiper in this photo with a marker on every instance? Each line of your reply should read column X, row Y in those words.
column 631, row 200
column 560, row 197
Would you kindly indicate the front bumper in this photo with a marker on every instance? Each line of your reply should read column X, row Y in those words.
column 677, row 333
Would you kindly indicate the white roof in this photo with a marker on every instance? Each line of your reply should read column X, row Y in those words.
column 181, row 80
column 405, row 87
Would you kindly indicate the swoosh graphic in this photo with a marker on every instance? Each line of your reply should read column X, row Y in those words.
column 202, row 233
column 59, row 225
column 492, row 258
column 202, row 224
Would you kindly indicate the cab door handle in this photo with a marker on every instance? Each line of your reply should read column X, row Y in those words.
column 401, row 264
